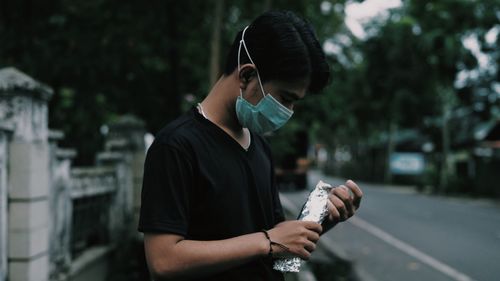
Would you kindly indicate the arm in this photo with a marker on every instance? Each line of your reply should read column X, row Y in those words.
column 173, row 257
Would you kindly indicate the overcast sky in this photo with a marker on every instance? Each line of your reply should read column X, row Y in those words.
column 359, row 13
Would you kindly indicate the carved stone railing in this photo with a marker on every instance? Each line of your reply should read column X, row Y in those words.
column 92, row 197
column 58, row 221
column 92, row 181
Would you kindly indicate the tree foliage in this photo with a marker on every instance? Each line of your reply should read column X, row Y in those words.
column 105, row 58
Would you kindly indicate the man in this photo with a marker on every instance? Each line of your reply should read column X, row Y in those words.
column 210, row 209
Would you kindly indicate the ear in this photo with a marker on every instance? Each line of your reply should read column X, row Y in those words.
column 246, row 74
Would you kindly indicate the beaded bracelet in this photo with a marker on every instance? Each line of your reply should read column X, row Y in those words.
column 271, row 243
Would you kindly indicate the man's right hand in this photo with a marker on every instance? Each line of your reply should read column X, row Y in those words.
column 299, row 237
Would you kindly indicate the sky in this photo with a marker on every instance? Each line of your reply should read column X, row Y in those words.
column 356, row 15
column 359, row 13
column 486, row 63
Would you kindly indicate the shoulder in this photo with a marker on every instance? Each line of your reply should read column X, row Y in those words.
column 176, row 135
column 179, row 131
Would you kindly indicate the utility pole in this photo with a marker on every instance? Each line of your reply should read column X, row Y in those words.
column 215, row 42
column 391, row 146
column 267, row 5
column 445, row 138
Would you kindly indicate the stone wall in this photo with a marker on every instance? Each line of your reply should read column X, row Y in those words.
column 23, row 107
column 45, row 203
column 4, row 134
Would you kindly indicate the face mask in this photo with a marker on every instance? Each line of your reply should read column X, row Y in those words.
column 268, row 115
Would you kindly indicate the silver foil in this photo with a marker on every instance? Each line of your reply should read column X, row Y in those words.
column 315, row 209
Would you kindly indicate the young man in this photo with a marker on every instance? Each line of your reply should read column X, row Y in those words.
column 210, row 208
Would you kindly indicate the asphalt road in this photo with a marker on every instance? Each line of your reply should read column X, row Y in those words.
column 399, row 234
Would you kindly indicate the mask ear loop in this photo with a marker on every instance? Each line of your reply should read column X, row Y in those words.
column 242, row 42
column 239, row 64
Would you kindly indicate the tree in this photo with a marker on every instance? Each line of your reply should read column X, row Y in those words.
column 105, row 58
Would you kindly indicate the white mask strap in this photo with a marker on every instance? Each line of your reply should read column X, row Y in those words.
column 242, row 42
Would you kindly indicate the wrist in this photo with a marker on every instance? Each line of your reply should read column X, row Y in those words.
column 269, row 243
column 262, row 244
column 273, row 245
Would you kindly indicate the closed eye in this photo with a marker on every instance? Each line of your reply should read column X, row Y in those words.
column 286, row 99
column 289, row 96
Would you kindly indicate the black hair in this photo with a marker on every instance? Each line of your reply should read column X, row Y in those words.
column 284, row 48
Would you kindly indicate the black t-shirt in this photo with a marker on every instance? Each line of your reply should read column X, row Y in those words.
column 201, row 184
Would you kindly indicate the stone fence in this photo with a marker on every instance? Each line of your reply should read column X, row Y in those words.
column 59, row 222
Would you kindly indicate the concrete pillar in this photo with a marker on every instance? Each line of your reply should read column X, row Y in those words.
column 24, row 105
column 126, row 135
column 4, row 138
column 61, row 207
column 120, row 210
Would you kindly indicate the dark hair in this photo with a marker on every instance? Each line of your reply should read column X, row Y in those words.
column 284, row 47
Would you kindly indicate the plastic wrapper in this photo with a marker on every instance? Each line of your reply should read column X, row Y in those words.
column 315, row 209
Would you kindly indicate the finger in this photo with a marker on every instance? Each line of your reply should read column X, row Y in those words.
column 334, row 214
column 314, row 226
column 304, row 254
column 313, row 236
column 344, row 194
column 358, row 194
column 340, row 206
column 310, row 246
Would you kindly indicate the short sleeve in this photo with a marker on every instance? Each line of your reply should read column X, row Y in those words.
column 166, row 187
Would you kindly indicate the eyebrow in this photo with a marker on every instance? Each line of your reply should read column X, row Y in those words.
column 291, row 95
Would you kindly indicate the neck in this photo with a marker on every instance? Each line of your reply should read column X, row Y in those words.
column 219, row 106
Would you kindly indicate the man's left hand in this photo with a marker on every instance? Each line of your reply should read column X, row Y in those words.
column 343, row 201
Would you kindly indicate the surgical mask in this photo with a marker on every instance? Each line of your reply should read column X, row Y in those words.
column 268, row 114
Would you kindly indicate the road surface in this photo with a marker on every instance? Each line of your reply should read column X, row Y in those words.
column 399, row 234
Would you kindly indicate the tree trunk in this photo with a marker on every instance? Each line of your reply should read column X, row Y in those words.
column 267, row 5
column 391, row 146
column 173, row 99
column 445, row 138
column 215, row 42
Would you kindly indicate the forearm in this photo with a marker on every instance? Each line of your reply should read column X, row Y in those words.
column 190, row 258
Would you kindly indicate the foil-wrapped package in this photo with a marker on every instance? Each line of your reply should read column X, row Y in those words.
column 315, row 209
